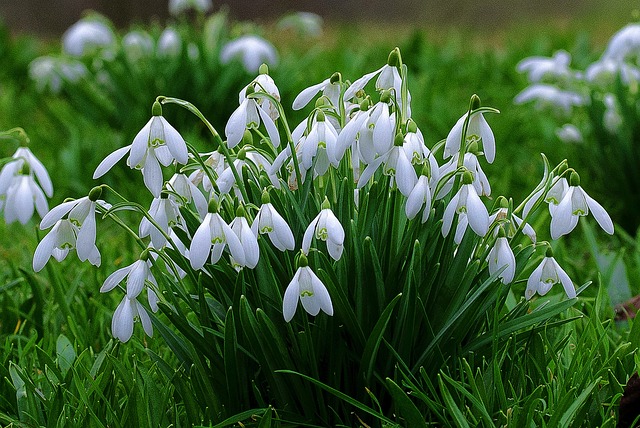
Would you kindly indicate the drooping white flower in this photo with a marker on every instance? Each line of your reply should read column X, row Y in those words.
column 25, row 162
column 330, row 88
column 501, row 256
column 395, row 164
column 545, row 94
column 420, row 196
column 611, row 119
column 624, row 43
column 467, row 201
column 574, row 204
column 478, row 131
column 538, row 67
column 248, row 240
column 86, row 35
column 128, row 311
column 177, row 7
column 74, row 226
column 157, row 143
column 137, row 275
column 22, row 197
column 187, row 192
column 211, row 237
column 269, row 221
column 50, row 73
column 546, row 275
column 470, row 161
column 137, row 45
column 569, row 133
column 169, row 43
column 319, row 144
column 249, row 114
column 325, row 227
column 309, row 289
column 263, row 83
column 166, row 215
column 251, row 50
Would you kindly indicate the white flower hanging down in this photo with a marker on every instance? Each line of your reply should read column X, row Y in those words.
column 166, row 215
column 501, row 256
column 477, row 130
column 307, row 288
column 574, row 204
column 325, row 227
column 467, row 202
column 546, row 275
column 251, row 50
column 269, row 221
column 157, row 143
column 248, row 240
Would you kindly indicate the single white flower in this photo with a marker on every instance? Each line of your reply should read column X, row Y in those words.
column 624, row 43
column 467, row 201
column 128, row 311
column 395, row 164
column 22, row 197
column 330, row 88
column 545, row 94
column 304, row 23
column 576, row 203
column 177, row 7
column 546, row 275
column 320, row 144
column 187, row 192
column 85, row 36
column 249, row 114
column 269, row 221
column 420, row 196
column 211, row 237
column 251, row 50
column 478, row 131
column 137, row 275
column 470, row 161
column 501, row 256
column 538, row 67
column 157, row 143
column 264, row 83
column 569, row 133
column 166, row 215
column 306, row 287
column 248, row 240
column 325, row 227
column 169, row 43
column 25, row 163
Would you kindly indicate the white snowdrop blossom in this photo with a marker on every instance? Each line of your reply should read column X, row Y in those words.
column 574, row 204
column 86, row 35
column 157, row 143
column 478, row 131
column 166, row 214
column 177, row 7
column 624, row 43
column 128, row 311
column 471, row 163
column 612, row 119
column 569, row 133
column 545, row 94
column 25, row 162
column 330, row 88
column 264, row 83
column 137, row 45
column 420, row 196
column 20, row 195
column 467, row 201
column 211, row 237
column 50, row 73
column 309, row 289
column 320, row 144
column 545, row 276
column 187, row 192
column 74, row 226
column 268, row 221
column 501, row 256
column 137, row 274
column 169, row 43
column 251, row 50
column 396, row 164
column 537, row 67
column 325, row 227
column 249, row 114
column 248, row 239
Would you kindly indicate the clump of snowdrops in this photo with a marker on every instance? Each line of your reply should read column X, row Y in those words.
column 598, row 111
column 343, row 253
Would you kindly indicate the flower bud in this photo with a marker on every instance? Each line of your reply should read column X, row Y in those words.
column 475, row 102
column 395, row 59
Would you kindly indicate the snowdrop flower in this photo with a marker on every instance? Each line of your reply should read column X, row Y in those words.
column 501, row 256
column 74, row 226
column 248, row 240
column 418, row 152
column 166, row 215
column 85, row 35
column 125, row 315
column 157, row 143
column 212, row 236
column 550, row 95
column 420, row 196
column 177, row 7
column 325, row 227
column 251, row 50
column 187, row 192
column 264, row 83
column 136, row 274
column 611, row 119
column 467, row 201
column 576, row 203
column 470, row 162
column 249, row 114
column 25, row 160
column 20, row 198
column 477, row 130
column 269, row 221
column 50, row 73
column 330, row 88
column 569, row 133
column 546, row 275
column 538, row 67
column 252, row 159
column 623, row 43
column 396, row 164
column 137, row 45
column 169, row 43
column 553, row 196
column 216, row 163
column 320, row 144
column 307, row 288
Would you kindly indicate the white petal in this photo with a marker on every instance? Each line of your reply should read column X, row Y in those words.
column 57, row 213
column 562, row 218
column 599, row 213
column 110, row 161
column 477, row 213
column 86, row 240
column 115, row 278
column 44, row 249
column 201, row 244
column 454, row 138
column 565, row 281
column 122, row 321
column 488, row 140
column 236, row 125
column 152, row 175
column 140, row 144
column 406, row 177
column 144, row 319
column 272, row 131
column 321, row 294
column 307, row 94
column 308, row 296
column 290, row 299
column 534, row 281
column 308, row 235
column 235, row 247
column 175, row 142
column 136, row 279
column 41, row 173
column 359, row 84
column 449, row 212
column 23, row 202
column 370, row 170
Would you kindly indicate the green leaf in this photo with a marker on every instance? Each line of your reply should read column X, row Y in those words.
column 406, row 407
column 375, row 338
column 65, row 353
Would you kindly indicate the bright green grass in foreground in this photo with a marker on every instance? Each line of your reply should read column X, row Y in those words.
column 59, row 365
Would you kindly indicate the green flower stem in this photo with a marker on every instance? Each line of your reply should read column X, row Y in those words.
column 216, row 136
column 16, row 134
